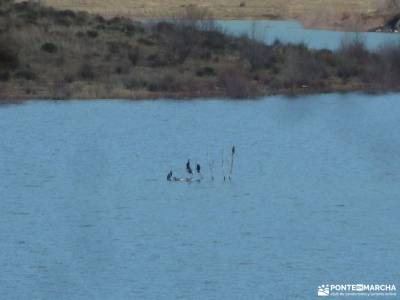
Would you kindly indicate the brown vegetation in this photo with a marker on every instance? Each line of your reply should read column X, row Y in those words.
column 47, row 53
column 337, row 14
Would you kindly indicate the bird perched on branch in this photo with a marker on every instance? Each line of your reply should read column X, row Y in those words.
column 169, row 176
column 188, row 168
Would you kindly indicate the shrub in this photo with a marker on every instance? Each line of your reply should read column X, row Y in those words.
column 146, row 42
column 121, row 69
column 114, row 23
column 302, row 67
column 388, row 67
column 28, row 11
column 327, row 56
column 347, row 68
column 49, row 48
column 167, row 83
column 181, row 43
column 4, row 76
column 253, row 49
column 69, row 78
column 65, row 14
column 100, row 19
column 235, row 83
column 115, row 47
column 133, row 83
column 8, row 53
column 86, row 72
column 81, row 18
column 26, row 74
column 134, row 55
column 60, row 17
column 60, row 61
column 63, row 21
column 206, row 71
column 155, row 61
column 195, row 27
column 204, row 54
column 214, row 40
column 352, row 57
column 100, row 27
column 80, row 34
column 129, row 29
column 92, row 34
column 8, row 59
column 60, row 90
column 122, row 24
column 257, row 54
column 354, row 48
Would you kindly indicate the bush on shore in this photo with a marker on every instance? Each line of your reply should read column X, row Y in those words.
column 49, row 48
column 235, row 83
column 9, row 59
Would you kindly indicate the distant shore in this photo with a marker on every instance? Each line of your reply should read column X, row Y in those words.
column 343, row 15
column 61, row 54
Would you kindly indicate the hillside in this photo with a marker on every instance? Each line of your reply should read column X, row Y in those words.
column 61, row 54
column 338, row 14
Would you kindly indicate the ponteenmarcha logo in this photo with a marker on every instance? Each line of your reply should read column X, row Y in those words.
column 356, row 290
column 323, row 290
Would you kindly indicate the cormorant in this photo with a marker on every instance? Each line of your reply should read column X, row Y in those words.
column 169, row 176
column 188, row 168
column 198, row 168
column 233, row 150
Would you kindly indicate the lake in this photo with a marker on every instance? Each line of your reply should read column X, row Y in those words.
column 294, row 32
column 87, row 213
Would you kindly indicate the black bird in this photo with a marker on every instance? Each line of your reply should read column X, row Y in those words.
column 198, row 168
column 169, row 176
column 188, row 168
column 233, row 150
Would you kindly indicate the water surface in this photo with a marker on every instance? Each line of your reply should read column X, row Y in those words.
column 294, row 32
column 86, row 212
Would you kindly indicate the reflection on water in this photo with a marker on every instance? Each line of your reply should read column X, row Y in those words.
column 86, row 211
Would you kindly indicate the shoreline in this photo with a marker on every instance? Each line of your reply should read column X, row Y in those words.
column 19, row 99
column 307, row 24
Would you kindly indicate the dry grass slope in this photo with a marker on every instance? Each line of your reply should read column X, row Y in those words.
column 47, row 53
column 319, row 13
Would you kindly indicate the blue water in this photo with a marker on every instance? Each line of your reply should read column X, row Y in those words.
column 86, row 211
column 293, row 32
